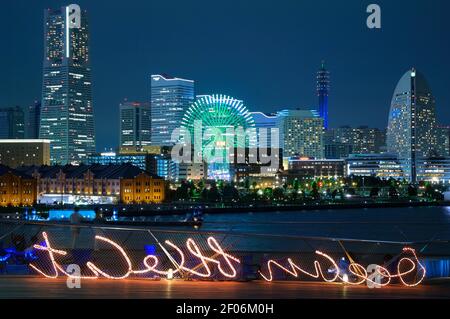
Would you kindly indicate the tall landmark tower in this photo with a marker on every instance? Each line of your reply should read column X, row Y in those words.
column 412, row 122
column 323, row 89
column 67, row 117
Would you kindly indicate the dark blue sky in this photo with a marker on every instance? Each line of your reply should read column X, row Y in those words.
column 265, row 52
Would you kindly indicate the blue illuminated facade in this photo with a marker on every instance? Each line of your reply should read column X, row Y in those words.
column 323, row 89
column 164, row 166
column 139, row 160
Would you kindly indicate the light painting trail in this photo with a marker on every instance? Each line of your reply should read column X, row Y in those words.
column 226, row 265
column 149, row 268
column 356, row 270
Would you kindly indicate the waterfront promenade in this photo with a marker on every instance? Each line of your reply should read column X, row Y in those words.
column 368, row 236
column 182, row 208
column 37, row 287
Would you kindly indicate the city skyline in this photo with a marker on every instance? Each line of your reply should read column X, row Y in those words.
column 209, row 149
column 359, row 77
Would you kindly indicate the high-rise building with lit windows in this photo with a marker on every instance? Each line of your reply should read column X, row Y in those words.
column 361, row 140
column 67, row 117
column 170, row 99
column 12, row 123
column 411, row 131
column 443, row 141
column 301, row 133
column 33, row 120
column 135, row 125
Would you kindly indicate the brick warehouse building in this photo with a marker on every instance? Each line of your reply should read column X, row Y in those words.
column 96, row 184
column 16, row 188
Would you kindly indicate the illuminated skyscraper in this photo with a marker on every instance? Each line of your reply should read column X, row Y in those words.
column 135, row 125
column 411, row 131
column 301, row 133
column 67, row 117
column 171, row 97
column 33, row 120
column 323, row 89
column 12, row 123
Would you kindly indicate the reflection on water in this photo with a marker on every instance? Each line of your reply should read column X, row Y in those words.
column 58, row 214
column 382, row 230
column 396, row 224
column 388, row 224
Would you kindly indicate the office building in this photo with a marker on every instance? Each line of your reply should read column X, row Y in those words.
column 149, row 149
column 187, row 171
column 255, row 162
column 135, row 125
column 304, row 167
column 15, row 153
column 12, row 123
column 160, row 165
column 107, row 158
column 170, row 99
column 301, row 133
column 434, row 170
column 67, row 116
column 174, row 171
column 361, row 140
column 33, row 121
column 443, row 141
column 384, row 166
column 337, row 150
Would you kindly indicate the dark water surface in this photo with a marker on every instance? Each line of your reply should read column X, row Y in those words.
column 387, row 224
column 423, row 226
column 368, row 230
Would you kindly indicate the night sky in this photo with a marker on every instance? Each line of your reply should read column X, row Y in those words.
column 265, row 52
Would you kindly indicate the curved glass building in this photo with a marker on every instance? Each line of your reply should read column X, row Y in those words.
column 412, row 122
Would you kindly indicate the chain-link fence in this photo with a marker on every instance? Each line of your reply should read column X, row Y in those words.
column 103, row 251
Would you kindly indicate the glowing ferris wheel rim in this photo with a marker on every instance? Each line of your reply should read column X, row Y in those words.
column 220, row 111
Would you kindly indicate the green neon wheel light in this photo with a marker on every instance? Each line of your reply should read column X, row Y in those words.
column 219, row 112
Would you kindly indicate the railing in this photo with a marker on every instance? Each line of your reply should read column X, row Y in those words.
column 230, row 253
